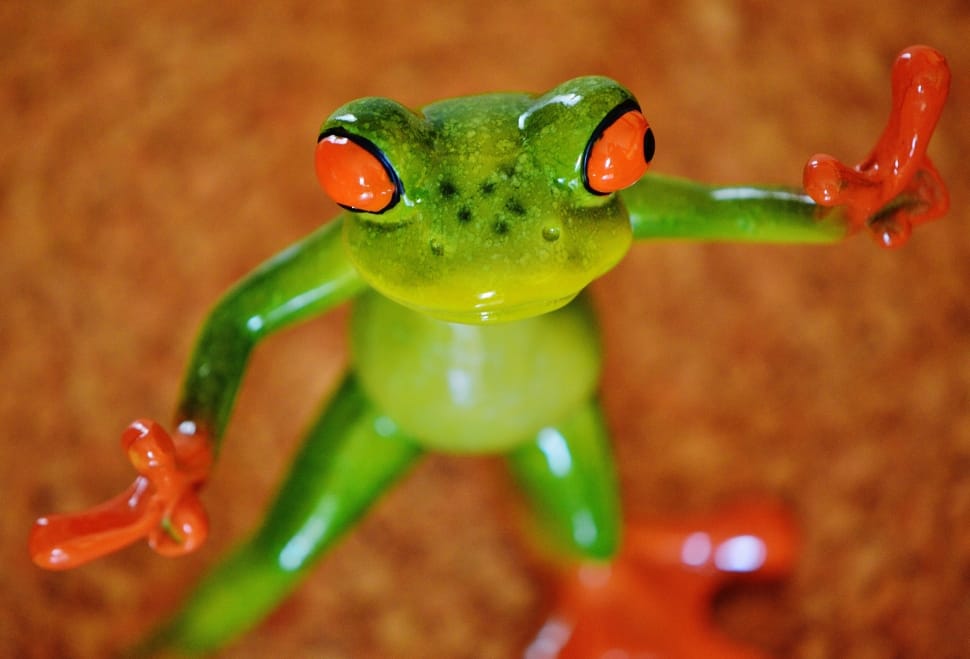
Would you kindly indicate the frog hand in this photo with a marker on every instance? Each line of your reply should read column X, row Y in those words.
column 161, row 504
column 896, row 187
column 656, row 598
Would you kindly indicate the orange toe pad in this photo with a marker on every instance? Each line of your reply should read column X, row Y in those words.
column 655, row 599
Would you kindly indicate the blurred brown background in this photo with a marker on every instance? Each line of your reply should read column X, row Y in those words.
column 150, row 156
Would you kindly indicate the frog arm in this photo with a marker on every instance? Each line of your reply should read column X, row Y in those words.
column 161, row 504
column 665, row 207
column 895, row 188
column 302, row 281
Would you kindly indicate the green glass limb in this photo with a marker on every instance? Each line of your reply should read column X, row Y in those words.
column 350, row 457
column 568, row 475
column 307, row 279
column 662, row 207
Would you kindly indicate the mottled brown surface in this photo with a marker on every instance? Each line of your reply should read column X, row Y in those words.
column 149, row 157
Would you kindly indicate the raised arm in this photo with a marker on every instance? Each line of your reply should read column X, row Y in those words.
column 304, row 280
column 663, row 207
column 894, row 189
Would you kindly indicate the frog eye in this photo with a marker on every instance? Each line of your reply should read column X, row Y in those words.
column 355, row 173
column 619, row 151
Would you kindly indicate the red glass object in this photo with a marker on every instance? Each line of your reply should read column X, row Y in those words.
column 621, row 155
column 160, row 505
column 896, row 187
column 355, row 174
column 655, row 599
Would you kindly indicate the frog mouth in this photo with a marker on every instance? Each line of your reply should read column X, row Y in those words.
column 493, row 309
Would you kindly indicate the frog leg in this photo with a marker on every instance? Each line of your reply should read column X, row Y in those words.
column 351, row 455
column 568, row 476
column 652, row 594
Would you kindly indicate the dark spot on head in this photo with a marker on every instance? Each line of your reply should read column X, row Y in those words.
column 488, row 187
column 515, row 207
column 447, row 189
column 501, row 227
column 464, row 215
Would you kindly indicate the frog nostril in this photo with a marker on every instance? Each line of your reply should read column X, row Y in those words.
column 550, row 234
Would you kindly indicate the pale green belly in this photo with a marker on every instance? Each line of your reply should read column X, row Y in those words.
column 474, row 388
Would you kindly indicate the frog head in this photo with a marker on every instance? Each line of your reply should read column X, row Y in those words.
column 486, row 208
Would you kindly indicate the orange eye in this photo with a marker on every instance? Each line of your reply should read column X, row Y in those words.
column 619, row 151
column 355, row 173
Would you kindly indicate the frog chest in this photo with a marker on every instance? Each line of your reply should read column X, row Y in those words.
column 473, row 388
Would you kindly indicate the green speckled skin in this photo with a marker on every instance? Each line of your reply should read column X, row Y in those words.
column 494, row 221
column 472, row 339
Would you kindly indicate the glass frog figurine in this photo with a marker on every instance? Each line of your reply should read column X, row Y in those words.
column 471, row 230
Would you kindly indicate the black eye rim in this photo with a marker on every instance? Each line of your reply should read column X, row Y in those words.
column 379, row 155
column 649, row 145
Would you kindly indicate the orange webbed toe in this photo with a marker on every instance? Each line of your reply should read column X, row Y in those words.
column 655, row 600
column 896, row 187
column 161, row 504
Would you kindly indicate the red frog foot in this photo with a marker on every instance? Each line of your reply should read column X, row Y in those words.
column 896, row 187
column 654, row 601
column 161, row 504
